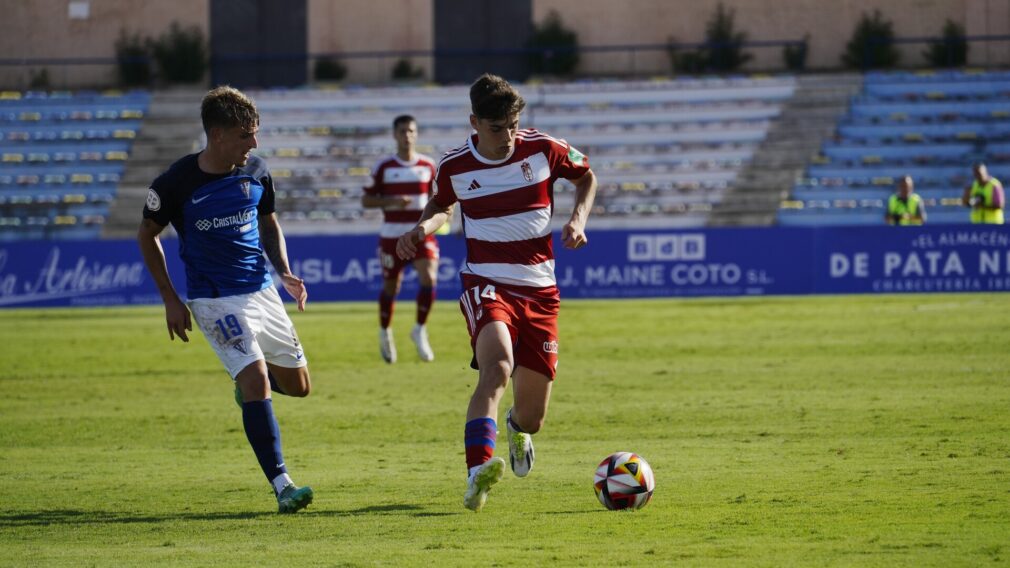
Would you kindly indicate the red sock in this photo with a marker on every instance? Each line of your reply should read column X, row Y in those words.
column 385, row 309
column 425, row 297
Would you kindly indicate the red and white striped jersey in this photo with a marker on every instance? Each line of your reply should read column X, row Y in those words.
column 393, row 176
column 507, row 205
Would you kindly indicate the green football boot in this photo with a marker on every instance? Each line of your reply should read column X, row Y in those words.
column 293, row 498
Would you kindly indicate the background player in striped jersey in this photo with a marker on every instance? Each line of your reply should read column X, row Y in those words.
column 221, row 203
column 401, row 187
column 503, row 179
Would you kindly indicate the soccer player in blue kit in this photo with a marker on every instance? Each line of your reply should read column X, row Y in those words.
column 221, row 203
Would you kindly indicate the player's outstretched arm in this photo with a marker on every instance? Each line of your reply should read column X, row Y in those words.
column 433, row 217
column 386, row 202
column 176, row 314
column 573, row 234
column 276, row 249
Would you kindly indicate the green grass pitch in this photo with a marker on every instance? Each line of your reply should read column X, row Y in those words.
column 861, row 430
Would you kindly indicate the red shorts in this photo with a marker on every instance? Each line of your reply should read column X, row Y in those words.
column 532, row 320
column 392, row 264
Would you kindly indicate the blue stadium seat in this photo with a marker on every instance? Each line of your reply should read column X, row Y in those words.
column 931, row 126
column 63, row 155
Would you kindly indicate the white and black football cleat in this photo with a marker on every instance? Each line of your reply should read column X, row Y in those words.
column 387, row 347
column 521, row 454
column 480, row 481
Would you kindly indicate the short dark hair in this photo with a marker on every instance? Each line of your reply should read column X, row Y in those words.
column 492, row 97
column 403, row 118
column 227, row 107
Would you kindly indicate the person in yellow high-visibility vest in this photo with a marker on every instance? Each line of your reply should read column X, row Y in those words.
column 985, row 197
column 905, row 207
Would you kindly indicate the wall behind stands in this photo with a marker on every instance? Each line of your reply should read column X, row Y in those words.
column 616, row 264
column 370, row 25
column 273, row 31
column 43, row 28
column 829, row 23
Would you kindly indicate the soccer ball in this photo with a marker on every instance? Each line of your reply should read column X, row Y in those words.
column 624, row 481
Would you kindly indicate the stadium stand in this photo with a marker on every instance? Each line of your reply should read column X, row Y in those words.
column 930, row 125
column 665, row 151
column 62, row 156
column 668, row 153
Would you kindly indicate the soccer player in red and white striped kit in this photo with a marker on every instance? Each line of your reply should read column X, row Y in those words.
column 401, row 186
column 503, row 179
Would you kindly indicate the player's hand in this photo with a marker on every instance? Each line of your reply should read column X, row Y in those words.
column 406, row 245
column 178, row 319
column 573, row 235
column 296, row 289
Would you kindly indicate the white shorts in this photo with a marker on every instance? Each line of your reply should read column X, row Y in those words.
column 246, row 328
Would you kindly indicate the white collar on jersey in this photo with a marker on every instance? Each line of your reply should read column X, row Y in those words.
column 482, row 159
column 417, row 158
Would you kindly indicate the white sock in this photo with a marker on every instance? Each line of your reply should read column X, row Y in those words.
column 473, row 470
column 280, row 482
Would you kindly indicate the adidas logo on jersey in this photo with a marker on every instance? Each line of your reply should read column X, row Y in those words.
column 473, row 185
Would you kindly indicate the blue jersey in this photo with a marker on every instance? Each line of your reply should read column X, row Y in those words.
column 216, row 217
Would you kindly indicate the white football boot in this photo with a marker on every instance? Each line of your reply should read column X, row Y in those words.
column 480, row 481
column 387, row 347
column 521, row 454
column 419, row 335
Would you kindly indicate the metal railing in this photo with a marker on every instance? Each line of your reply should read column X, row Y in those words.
column 376, row 66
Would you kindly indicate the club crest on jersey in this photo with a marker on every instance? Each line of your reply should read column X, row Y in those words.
column 527, row 170
column 245, row 189
column 153, row 200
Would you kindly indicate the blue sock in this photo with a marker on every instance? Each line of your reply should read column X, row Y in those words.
column 264, row 436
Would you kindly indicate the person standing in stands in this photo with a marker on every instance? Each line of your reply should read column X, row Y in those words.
column 984, row 196
column 401, row 186
column 221, row 203
column 905, row 207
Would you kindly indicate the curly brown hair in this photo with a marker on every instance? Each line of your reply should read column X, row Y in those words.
column 227, row 107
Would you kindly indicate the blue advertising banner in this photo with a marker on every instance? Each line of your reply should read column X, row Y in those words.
column 615, row 264
column 76, row 273
column 941, row 258
column 704, row 262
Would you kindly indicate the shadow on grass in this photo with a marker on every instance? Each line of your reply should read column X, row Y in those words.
column 81, row 517
column 417, row 511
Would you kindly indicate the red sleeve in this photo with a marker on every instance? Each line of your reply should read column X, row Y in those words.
column 431, row 185
column 567, row 162
column 444, row 193
column 997, row 195
column 375, row 188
